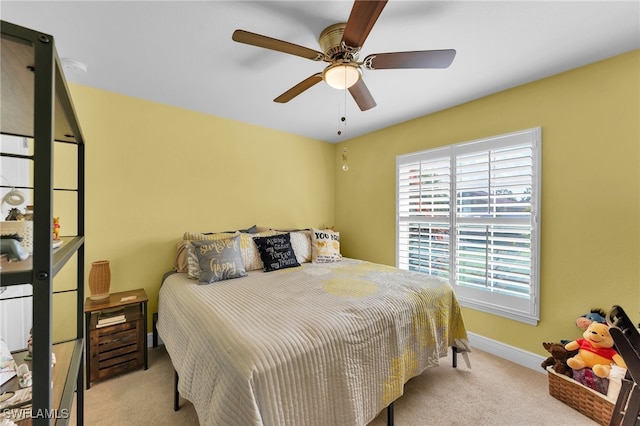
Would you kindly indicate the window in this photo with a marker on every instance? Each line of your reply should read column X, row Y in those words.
column 469, row 213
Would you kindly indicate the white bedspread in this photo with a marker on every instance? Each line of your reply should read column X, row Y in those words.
column 320, row 344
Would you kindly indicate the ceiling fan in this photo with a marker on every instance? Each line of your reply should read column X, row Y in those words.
column 341, row 44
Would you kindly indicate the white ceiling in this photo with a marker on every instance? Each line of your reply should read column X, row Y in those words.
column 181, row 53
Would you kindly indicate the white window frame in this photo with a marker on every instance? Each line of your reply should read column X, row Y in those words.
column 524, row 308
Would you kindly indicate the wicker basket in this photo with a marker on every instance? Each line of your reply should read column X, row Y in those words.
column 587, row 401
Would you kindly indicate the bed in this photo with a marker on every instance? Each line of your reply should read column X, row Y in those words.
column 315, row 344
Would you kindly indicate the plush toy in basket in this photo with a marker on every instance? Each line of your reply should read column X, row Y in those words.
column 595, row 351
column 558, row 358
column 596, row 315
column 597, row 368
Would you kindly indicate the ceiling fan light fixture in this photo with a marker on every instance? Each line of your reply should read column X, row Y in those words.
column 342, row 75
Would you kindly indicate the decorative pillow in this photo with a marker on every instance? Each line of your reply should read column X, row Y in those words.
column 190, row 236
column 193, row 266
column 251, row 230
column 219, row 260
column 180, row 263
column 249, row 250
column 276, row 252
column 301, row 244
column 325, row 246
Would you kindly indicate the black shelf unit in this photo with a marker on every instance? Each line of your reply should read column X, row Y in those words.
column 36, row 104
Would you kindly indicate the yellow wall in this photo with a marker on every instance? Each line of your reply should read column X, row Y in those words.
column 590, row 241
column 154, row 171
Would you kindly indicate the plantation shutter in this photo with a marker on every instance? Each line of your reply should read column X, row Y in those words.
column 424, row 203
column 468, row 213
column 493, row 219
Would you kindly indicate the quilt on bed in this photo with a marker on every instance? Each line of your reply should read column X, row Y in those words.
column 317, row 344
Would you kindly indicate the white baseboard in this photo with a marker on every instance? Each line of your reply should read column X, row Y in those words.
column 508, row 352
column 485, row 344
column 150, row 340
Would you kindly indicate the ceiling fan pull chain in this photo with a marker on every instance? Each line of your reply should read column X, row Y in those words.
column 344, row 117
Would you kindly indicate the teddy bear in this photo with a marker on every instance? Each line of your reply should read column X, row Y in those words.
column 558, row 358
column 595, row 351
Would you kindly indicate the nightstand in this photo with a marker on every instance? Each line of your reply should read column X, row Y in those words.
column 120, row 347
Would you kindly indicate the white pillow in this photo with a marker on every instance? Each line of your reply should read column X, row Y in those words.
column 249, row 250
column 301, row 244
column 325, row 246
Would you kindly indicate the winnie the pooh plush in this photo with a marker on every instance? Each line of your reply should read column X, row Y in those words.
column 595, row 351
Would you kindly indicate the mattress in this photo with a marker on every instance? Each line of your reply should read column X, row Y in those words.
column 317, row 344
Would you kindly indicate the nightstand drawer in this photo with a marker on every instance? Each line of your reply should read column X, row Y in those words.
column 117, row 336
column 115, row 349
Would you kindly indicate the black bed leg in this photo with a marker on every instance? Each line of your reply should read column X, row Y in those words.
column 455, row 356
column 390, row 415
column 176, row 394
column 155, row 330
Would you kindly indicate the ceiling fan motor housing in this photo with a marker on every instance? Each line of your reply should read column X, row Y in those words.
column 331, row 43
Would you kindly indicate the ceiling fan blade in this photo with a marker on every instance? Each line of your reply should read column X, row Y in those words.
column 253, row 39
column 299, row 88
column 362, row 96
column 417, row 59
column 364, row 15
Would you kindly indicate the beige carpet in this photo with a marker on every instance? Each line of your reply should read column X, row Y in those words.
column 493, row 392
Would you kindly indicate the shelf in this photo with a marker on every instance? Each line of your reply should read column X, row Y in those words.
column 15, row 273
column 68, row 357
column 115, row 299
column 132, row 313
column 18, row 90
column 62, row 254
column 66, row 397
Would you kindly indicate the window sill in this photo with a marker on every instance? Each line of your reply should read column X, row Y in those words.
column 498, row 311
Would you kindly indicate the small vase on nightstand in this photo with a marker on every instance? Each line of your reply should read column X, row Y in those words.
column 99, row 280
